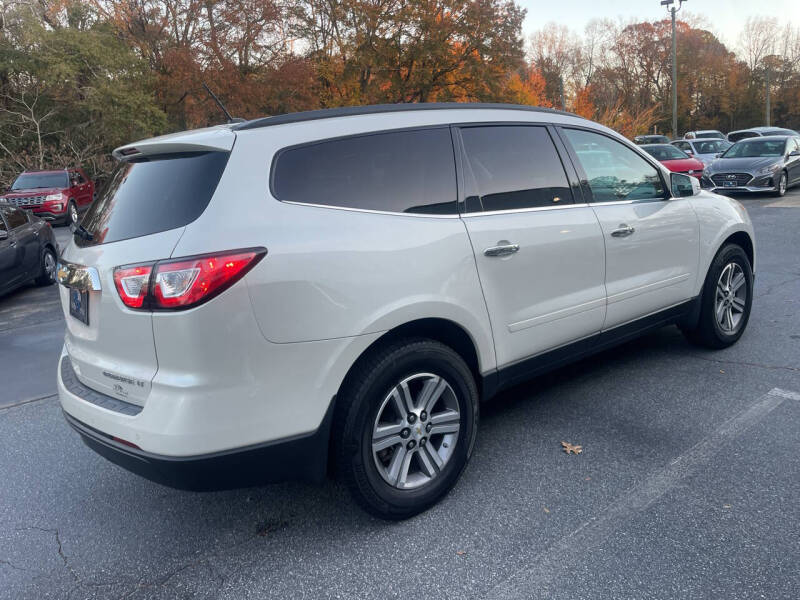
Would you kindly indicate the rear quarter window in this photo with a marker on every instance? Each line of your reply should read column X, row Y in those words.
column 153, row 194
column 399, row 171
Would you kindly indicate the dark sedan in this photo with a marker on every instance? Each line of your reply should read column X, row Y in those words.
column 28, row 249
column 762, row 164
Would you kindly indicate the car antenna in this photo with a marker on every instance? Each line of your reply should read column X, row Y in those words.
column 222, row 106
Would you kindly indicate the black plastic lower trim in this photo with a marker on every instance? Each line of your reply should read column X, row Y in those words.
column 302, row 457
column 528, row 368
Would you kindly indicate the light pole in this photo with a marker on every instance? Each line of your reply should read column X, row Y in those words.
column 672, row 10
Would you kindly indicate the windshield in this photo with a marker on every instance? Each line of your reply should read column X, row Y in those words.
column 31, row 181
column 665, row 152
column 755, row 148
column 711, row 147
column 154, row 194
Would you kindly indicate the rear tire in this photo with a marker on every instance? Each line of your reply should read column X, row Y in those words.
column 47, row 268
column 726, row 300
column 398, row 465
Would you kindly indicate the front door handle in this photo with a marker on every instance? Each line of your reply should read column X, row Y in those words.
column 502, row 250
column 624, row 230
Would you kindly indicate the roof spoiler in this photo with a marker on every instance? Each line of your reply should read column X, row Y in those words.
column 211, row 139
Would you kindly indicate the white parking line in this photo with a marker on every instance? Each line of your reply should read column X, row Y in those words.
column 561, row 557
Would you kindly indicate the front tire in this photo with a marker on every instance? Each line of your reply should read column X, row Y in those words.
column 72, row 213
column 726, row 300
column 783, row 184
column 405, row 427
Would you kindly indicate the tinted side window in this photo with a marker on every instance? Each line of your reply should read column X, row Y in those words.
column 614, row 172
column 401, row 171
column 15, row 217
column 515, row 167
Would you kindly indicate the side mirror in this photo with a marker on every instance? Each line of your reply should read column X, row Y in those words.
column 684, row 186
column 690, row 153
column 3, row 234
column 718, row 154
column 794, row 153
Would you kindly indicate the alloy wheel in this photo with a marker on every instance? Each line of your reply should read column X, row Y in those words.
column 73, row 212
column 415, row 431
column 50, row 266
column 731, row 298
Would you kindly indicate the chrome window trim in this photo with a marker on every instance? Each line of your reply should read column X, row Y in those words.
column 522, row 210
column 370, row 211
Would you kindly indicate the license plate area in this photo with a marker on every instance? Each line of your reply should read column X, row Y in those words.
column 79, row 305
column 728, row 184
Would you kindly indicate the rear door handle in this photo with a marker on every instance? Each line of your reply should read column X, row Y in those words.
column 624, row 230
column 502, row 250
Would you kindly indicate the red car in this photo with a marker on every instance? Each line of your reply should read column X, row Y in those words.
column 59, row 196
column 675, row 160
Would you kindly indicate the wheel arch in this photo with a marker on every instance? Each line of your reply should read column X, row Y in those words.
column 742, row 239
column 443, row 330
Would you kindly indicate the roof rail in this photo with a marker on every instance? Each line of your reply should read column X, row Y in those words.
column 349, row 111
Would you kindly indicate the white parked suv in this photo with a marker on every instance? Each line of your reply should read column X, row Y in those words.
column 248, row 301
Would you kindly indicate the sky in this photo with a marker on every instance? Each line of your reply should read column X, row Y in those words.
column 725, row 17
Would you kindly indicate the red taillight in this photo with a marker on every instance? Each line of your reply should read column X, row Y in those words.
column 184, row 282
column 132, row 284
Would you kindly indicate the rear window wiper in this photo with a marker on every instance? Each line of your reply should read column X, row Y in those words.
column 82, row 233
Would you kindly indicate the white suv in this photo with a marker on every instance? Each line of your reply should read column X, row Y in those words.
column 247, row 301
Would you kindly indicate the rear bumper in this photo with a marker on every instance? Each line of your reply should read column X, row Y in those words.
column 299, row 458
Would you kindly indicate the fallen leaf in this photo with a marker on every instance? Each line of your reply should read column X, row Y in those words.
column 721, row 371
column 571, row 448
column 461, row 553
column 547, row 510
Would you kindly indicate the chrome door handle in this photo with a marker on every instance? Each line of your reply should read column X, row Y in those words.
column 503, row 250
column 624, row 230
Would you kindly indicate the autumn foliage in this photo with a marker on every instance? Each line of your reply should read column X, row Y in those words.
column 79, row 77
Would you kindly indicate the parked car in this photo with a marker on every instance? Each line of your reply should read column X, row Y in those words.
column 650, row 139
column 764, row 164
column 704, row 133
column 735, row 136
column 57, row 196
column 354, row 281
column 705, row 150
column 28, row 249
column 674, row 159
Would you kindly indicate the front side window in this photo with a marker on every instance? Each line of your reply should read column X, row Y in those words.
column 685, row 146
column 400, row 171
column 613, row 171
column 515, row 167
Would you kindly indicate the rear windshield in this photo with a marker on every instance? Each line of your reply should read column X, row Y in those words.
column 32, row 181
column 154, row 194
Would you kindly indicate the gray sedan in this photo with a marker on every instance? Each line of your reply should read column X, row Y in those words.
column 764, row 164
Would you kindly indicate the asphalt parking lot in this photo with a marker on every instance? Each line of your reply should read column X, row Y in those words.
column 687, row 487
